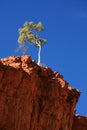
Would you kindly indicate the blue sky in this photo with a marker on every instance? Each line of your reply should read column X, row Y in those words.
column 65, row 23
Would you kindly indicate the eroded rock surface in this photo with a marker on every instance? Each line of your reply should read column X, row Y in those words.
column 79, row 123
column 34, row 97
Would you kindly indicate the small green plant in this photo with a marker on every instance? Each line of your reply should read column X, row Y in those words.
column 29, row 33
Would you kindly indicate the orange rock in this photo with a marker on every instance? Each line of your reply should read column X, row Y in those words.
column 34, row 97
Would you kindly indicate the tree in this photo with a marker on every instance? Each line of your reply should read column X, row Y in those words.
column 29, row 33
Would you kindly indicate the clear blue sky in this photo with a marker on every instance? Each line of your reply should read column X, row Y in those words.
column 65, row 23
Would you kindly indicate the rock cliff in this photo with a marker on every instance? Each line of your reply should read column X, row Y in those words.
column 34, row 97
column 79, row 123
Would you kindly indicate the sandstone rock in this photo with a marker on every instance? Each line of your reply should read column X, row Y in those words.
column 79, row 123
column 34, row 97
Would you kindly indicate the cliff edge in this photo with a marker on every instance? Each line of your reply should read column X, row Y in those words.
column 34, row 97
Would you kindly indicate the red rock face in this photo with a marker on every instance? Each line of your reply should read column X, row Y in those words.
column 79, row 123
column 34, row 97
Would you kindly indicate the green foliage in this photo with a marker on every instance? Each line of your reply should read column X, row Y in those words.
column 29, row 33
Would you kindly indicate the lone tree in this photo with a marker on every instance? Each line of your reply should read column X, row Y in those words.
column 29, row 33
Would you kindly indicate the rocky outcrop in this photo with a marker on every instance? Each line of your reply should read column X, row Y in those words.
column 79, row 123
column 34, row 97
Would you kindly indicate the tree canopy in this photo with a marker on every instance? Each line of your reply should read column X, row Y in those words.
column 29, row 33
